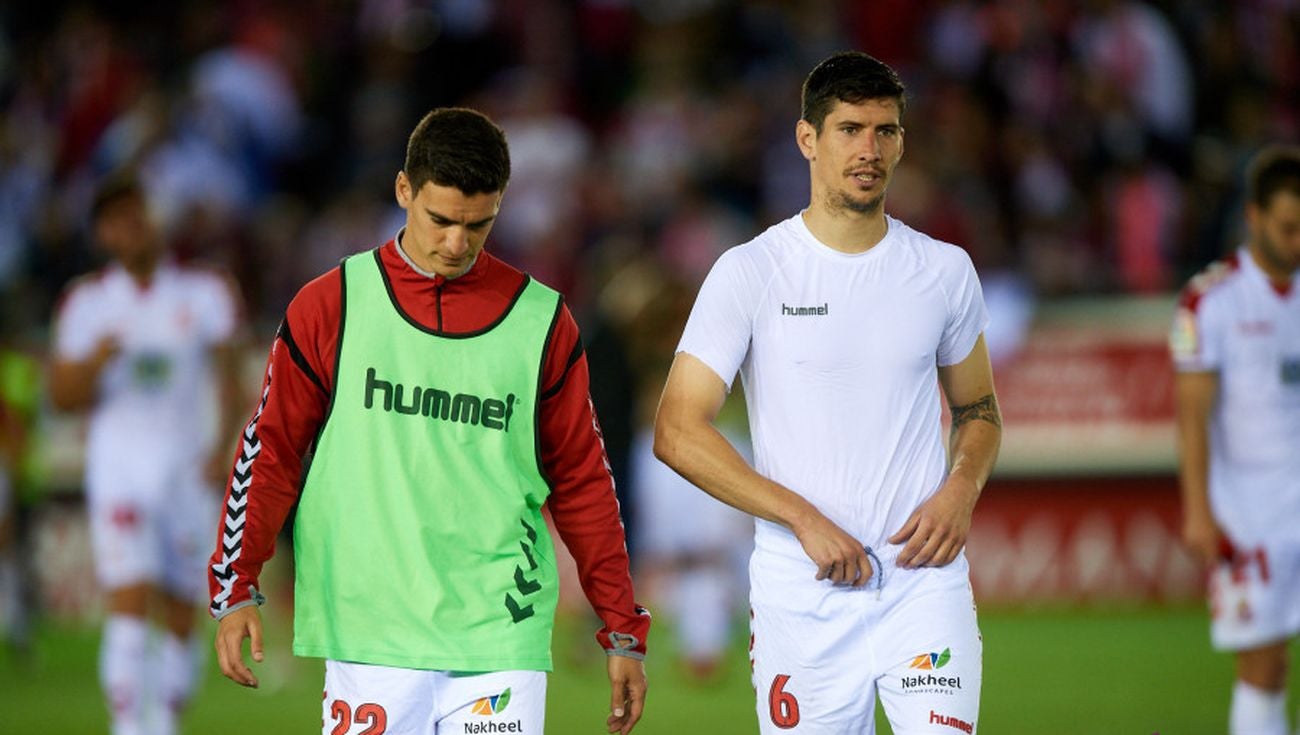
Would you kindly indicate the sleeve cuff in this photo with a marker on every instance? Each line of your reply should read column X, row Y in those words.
column 632, row 645
column 255, row 598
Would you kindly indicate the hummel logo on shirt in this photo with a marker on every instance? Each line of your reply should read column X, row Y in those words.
column 822, row 310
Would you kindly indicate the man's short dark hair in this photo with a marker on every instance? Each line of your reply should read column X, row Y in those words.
column 1276, row 168
column 458, row 147
column 849, row 76
column 114, row 188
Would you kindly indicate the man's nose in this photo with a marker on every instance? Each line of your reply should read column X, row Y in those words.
column 870, row 148
column 457, row 240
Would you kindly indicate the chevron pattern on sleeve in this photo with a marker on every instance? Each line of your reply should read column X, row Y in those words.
column 232, row 532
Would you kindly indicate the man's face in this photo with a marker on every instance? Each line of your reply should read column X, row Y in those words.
column 445, row 228
column 1275, row 231
column 126, row 232
column 853, row 158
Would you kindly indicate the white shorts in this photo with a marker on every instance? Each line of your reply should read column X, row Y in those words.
column 364, row 699
column 1255, row 597
column 821, row 653
column 161, row 537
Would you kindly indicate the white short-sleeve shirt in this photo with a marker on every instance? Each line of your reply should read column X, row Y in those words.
column 839, row 355
column 153, row 417
column 1232, row 321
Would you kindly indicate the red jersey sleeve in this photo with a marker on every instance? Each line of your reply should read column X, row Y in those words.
column 266, row 478
column 582, row 501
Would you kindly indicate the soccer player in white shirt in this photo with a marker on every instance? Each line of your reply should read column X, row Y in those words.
column 1236, row 348
column 843, row 323
column 146, row 347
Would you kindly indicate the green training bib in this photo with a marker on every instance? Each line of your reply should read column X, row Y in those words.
column 419, row 540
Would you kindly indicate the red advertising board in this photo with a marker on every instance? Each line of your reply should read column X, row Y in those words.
column 1081, row 540
column 1090, row 392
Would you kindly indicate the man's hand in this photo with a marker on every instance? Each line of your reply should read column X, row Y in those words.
column 106, row 349
column 246, row 622
column 627, row 687
column 1203, row 536
column 936, row 531
column 839, row 557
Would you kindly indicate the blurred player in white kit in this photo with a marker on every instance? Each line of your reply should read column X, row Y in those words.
column 693, row 542
column 146, row 347
column 1236, row 348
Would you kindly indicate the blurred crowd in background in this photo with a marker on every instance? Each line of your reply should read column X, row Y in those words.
column 1086, row 146
column 1083, row 147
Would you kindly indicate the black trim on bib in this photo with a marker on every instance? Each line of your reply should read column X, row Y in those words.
column 296, row 355
column 338, row 352
column 392, row 297
column 537, row 405
column 574, row 356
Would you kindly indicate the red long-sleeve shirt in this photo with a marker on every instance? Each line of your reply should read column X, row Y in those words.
column 295, row 397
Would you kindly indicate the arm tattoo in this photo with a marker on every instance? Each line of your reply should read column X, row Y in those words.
column 984, row 409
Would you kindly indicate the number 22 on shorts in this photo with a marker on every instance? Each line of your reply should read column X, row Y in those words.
column 367, row 714
column 782, row 705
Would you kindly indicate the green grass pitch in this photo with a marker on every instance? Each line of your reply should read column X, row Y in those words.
column 1112, row 672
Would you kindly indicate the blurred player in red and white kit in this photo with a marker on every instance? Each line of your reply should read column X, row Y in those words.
column 146, row 346
column 1236, row 347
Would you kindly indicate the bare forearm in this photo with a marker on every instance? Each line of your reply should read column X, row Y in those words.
column 1193, row 462
column 701, row 454
column 975, row 451
column 975, row 441
column 1196, row 394
column 74, row 386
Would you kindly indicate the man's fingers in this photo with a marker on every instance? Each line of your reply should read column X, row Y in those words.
column 924, row 556
column 922, row 546
column 620, row 709
column 634, row 708
column 233, row 667
column 865, row 569
column 618, row 698
column 230, row 656
column 255, row 638
column 944, row 555
column 907, row 530
column 914, row 545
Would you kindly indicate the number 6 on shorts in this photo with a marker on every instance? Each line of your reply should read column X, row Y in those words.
column 782, row 705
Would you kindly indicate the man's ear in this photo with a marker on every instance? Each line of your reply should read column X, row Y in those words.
column 806, row 136
column 402, row 190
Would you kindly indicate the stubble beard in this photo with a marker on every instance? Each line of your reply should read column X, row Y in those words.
column 1279, row 259
column 842, row 202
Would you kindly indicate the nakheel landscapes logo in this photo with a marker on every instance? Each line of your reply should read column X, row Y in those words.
column 489, row 706
column 929, row 661
column 931, row 683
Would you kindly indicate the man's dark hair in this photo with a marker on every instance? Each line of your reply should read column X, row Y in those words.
column 113, row 188
column 1276, row 168
column 849, row 76
column 458, row 147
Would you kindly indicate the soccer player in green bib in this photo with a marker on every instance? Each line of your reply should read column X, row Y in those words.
column 445, row 394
